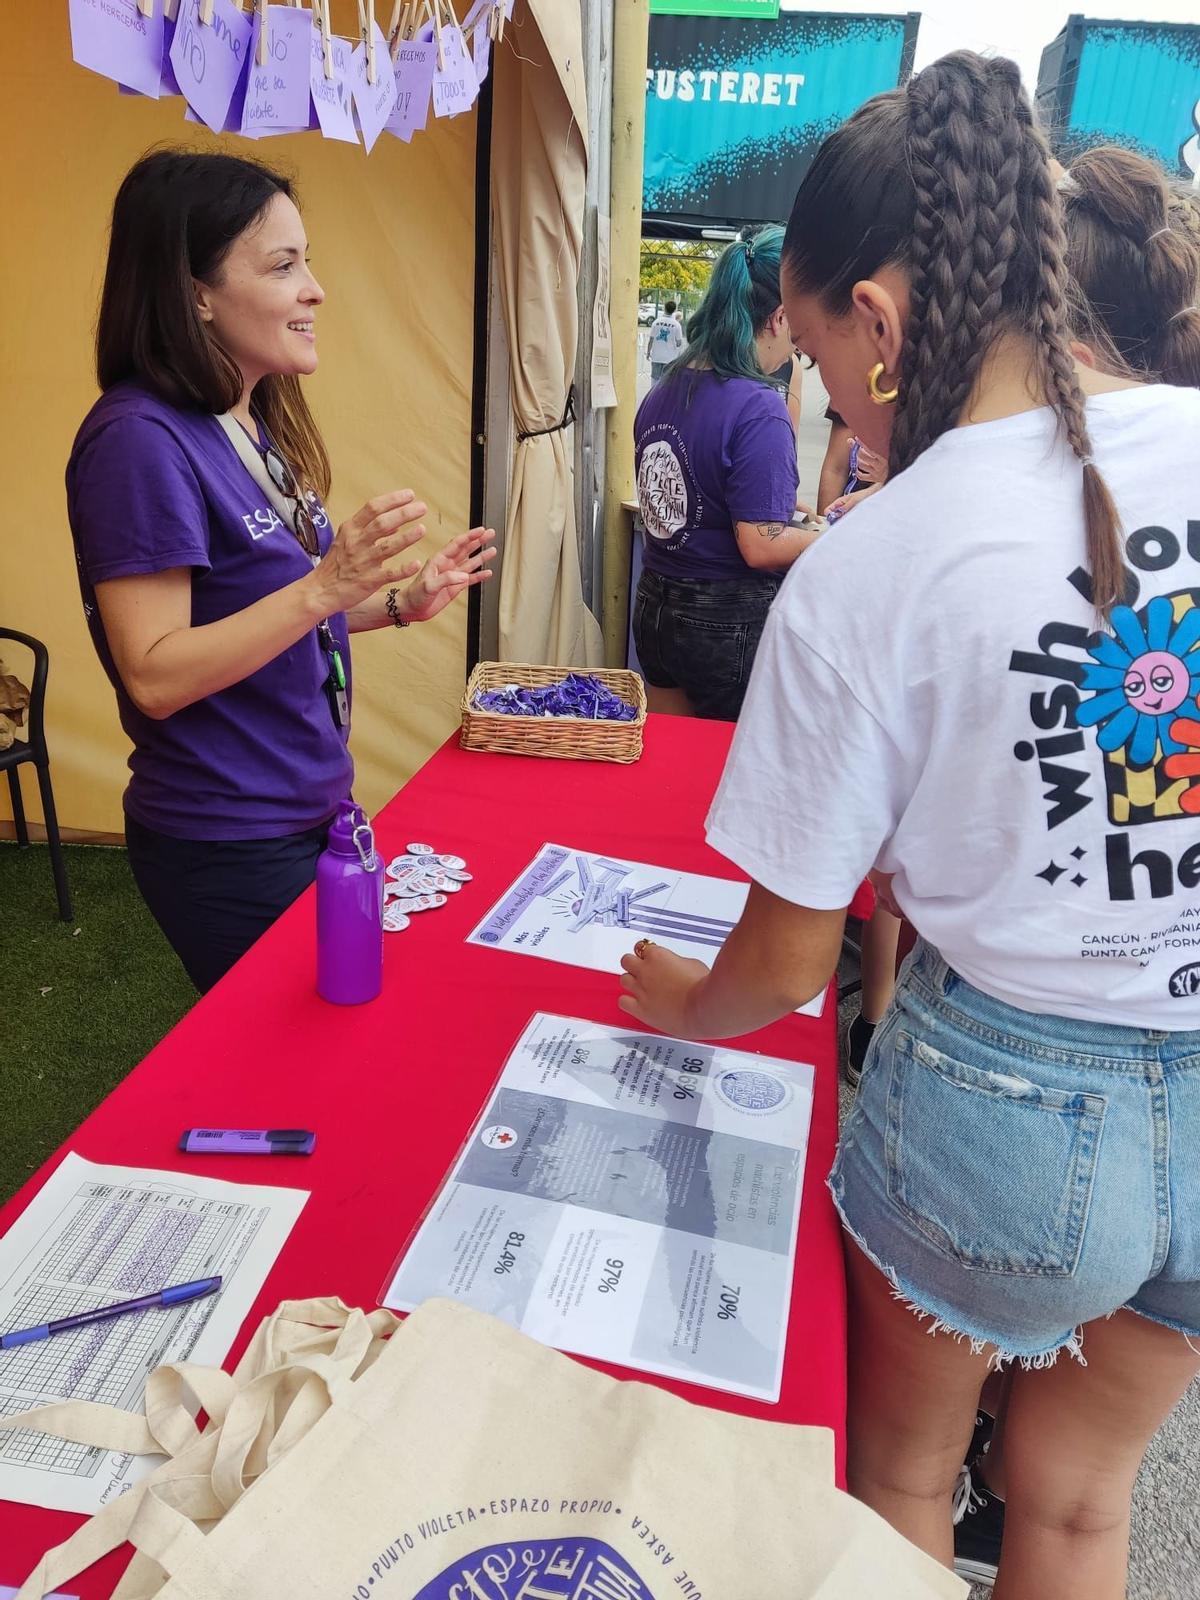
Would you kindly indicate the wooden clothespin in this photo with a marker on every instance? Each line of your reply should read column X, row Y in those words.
column 206, row 12
column 437, row 33
column 403, row 24
column 321, row 17
column 264, row 43
column 146, row 7
column 393, row 27
column 170, row 9
column 366, row 28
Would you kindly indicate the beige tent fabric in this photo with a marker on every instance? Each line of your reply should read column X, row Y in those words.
column 539, row 163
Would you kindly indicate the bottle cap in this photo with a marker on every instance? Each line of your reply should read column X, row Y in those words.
column 350, row 834
column 341, row 829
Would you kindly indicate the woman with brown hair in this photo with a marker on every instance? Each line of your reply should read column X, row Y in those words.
column 219, row 598
column 969, row 690
column 1133, row 250
column 1134, row 255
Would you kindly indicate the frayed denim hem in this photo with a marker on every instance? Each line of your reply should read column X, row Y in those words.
column 1189, row 1334
column 934, row 1324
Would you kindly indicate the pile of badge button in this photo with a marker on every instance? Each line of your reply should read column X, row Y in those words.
column 420, row 880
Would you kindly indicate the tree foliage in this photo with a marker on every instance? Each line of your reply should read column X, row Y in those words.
column 677, row 267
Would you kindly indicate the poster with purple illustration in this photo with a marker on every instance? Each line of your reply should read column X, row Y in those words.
column 415, row 65
column 113, row 38
column 277, row 92
column 630, row 1197
column 332, row 96
column 374, row 102
column 210, row 60
column 589, row 910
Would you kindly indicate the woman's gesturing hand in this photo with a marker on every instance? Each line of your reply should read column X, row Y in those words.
column 443, row 577
column 356, row 563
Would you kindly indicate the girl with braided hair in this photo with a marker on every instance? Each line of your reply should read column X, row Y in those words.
column 1134, row 256
column 972, row 691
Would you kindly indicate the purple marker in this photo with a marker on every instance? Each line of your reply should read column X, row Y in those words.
column 247, row 1142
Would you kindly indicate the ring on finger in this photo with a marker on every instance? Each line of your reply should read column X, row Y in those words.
column 641, row 947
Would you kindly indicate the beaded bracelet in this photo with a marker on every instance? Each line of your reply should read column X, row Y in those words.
column 389, row 605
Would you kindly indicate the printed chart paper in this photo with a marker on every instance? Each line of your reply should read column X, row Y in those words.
column 95, row 1235
column 589, row 911
column 628, row 1197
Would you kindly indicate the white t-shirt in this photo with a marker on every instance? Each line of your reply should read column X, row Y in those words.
column 930, row 697
column 666, row 339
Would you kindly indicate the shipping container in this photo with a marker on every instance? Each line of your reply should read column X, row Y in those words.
column 736, row 107
column 1135, row 84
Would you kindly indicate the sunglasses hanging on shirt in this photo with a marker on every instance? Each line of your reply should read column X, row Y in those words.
column 276, row 478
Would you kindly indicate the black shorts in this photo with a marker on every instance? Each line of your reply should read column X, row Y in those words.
column 701, row 635
column 212, row 898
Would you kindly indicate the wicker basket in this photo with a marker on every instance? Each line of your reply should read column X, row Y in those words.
column 566, row 738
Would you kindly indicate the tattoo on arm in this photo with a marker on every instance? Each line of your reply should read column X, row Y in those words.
column 770, row 530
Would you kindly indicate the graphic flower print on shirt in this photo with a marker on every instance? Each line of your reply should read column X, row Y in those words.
column 1143, row 678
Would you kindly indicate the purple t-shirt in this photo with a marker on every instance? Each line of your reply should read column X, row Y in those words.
column 150, row 487
column 711, row 452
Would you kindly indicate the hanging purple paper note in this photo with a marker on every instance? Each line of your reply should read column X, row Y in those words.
column 168, row 83
column 376, row 101
column 416, row 63
column 210, row 59
column 481, row 48
column 331, row 96
column 456, row 87
column 113, row 38
column 277, row 93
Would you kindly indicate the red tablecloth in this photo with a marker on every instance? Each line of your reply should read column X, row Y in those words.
column 392, row 1087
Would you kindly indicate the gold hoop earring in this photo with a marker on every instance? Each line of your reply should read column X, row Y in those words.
column 881, row 397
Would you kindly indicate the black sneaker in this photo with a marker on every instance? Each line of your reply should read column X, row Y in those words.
column 978, row 1529
column 985, row 1426
column 856, row 1039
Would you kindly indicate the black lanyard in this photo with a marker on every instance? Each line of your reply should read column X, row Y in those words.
column 335, row 677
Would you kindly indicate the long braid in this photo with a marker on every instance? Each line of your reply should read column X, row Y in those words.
column 964, row 160
column 948, row 181
column 1056, row 364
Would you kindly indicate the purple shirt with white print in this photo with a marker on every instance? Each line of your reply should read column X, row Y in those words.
column 151, row 486
column 711, row 452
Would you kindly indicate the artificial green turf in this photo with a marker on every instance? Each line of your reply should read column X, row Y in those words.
column 80, row 1002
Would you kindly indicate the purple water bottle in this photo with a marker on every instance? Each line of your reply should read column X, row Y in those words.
column 349, row 911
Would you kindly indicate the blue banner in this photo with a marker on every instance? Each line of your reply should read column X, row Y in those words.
column 1139, row 86
column 735, row 110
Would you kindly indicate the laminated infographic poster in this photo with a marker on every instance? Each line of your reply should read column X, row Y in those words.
column 628, row 1197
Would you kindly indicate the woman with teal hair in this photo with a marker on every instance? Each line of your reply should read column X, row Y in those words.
column 716, row 481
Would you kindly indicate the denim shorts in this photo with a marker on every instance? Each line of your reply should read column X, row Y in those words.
column 1017, row 1176
column 701, row 635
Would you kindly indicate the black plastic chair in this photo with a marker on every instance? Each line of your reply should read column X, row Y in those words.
column 34, row 749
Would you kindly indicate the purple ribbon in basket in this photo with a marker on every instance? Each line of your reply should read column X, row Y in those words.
column 578, row 695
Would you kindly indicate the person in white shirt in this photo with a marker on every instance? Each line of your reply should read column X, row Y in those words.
column 976, row 689
column 665, row 342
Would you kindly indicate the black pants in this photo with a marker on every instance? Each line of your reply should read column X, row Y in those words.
column 701, row 636
column 212, row 898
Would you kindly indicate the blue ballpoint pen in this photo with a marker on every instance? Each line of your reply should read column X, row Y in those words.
column 147, row 1302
